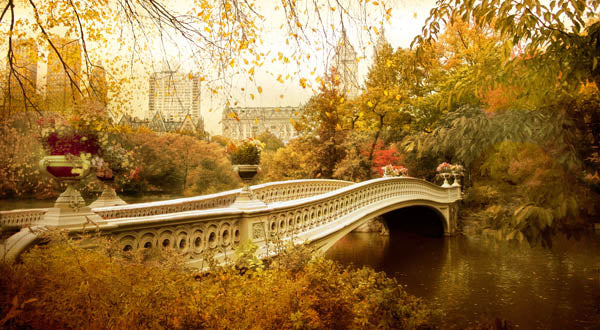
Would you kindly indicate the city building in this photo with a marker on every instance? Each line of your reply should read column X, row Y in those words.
column 174, row 95
column 345, row 61
column 159, row 124
column 61, row 84
column 23, row 74
column 242, row 123
column 98, row 84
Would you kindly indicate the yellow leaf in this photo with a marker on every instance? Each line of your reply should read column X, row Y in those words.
column 385, row 92
column 252, row 96
column 303, row 82
column 256, row 120
column 398, row 97
column 388, row 63
column 280, row 96
column 370, row 104
column 259, row 89
column 327, row 114
column 415, row 15
column 341, row 100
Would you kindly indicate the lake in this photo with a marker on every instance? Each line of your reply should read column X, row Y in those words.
column 470, row 279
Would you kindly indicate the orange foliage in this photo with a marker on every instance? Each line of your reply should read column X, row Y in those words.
column 63, row 285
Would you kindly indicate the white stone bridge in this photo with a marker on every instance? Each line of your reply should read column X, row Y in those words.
column 319, row 212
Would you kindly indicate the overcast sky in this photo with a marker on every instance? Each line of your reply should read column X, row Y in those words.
column 407, row 18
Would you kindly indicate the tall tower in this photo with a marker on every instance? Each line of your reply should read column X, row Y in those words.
column 98, row 83
column 345, row 61
column 61, row 88
column 174, row 95
column 24, row 72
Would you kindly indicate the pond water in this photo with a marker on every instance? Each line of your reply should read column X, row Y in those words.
column 470, row 280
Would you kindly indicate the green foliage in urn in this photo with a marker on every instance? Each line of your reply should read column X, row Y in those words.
column 247, row 152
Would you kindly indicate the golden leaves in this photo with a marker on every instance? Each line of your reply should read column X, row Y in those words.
column 233, row 115
column 260, row 89
column 303, row 82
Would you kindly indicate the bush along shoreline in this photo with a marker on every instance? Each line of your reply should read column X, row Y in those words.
column 88, row 283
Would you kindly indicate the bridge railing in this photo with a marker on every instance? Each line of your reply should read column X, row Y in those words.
column 19, row 218
column 267, row 192
column 300, row 216
column 219, row 230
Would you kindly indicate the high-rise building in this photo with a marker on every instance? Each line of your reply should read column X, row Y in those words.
column 63, row 77
column 346, row 64
column 22, row 76
column 98, row 85
column 243, row 123
column 174, row 95
column 25, row 61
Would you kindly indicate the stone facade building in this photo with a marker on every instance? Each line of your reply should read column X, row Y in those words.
column 161, row 125
column 242, row 123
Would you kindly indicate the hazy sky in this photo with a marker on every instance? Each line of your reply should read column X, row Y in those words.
column 407, row 18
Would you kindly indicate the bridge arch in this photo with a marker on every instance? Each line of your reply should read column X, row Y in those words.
column 442, row 211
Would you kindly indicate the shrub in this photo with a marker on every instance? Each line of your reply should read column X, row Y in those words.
column 247, row 152
column 64, row 285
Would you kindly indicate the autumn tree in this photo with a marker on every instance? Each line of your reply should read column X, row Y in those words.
column 321, row 123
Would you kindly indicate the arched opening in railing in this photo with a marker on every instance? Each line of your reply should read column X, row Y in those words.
column 422, row 220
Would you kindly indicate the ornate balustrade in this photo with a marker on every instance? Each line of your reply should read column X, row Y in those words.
column 20, row 218
column 308, row 219
column 300, row 216
column 268, row 193
column 302, row 209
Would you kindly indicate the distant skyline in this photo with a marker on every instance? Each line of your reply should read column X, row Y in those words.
column 269, row 88
column 407, row 19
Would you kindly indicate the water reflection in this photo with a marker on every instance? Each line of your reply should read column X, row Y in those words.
column 471, row 279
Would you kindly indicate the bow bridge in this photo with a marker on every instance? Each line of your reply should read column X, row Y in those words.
column 319, row 212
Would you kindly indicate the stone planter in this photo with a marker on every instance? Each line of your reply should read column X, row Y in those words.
column 69, row 208
column 109, row 196
column 61, row 167
column 446, row 176
column 246, row 199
